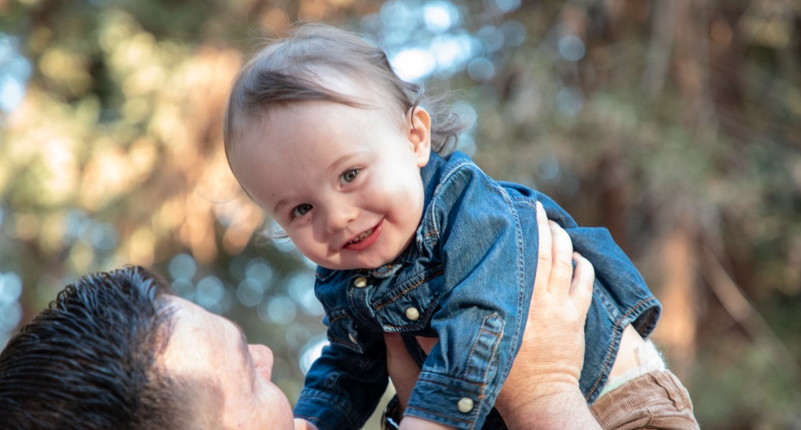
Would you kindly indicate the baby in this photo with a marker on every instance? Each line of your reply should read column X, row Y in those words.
column 324, row 136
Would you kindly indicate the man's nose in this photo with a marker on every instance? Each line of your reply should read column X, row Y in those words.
column 262, row 359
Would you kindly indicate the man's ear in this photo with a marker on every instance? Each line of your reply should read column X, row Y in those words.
column 419, row 134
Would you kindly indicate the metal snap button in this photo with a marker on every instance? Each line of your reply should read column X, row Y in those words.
column 412, row 314
column 465, row 405
column 360, row 282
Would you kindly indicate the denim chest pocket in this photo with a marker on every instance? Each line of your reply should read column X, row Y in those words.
column 342, row 330
column 409, row 305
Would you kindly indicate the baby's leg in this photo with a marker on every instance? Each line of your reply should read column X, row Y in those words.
column 627, row 359
column 641, row 392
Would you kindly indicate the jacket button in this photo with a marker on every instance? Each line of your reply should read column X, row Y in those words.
column 353, row 338
column 360, row 282
column 412, row 314
column 465, row 405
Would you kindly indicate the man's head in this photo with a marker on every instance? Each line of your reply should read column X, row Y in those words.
column 88, row 361
column 117, row 350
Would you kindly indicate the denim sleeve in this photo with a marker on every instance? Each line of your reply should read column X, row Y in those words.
column 484, row 304
column 343, row 386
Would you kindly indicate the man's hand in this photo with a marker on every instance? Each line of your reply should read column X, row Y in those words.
column 548, row 366
column 301, row 424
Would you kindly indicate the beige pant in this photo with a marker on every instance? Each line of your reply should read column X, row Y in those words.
column 655, row 400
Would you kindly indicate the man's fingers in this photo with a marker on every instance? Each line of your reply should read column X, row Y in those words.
column 562, row 267
column 581, row 286
column 541, row 281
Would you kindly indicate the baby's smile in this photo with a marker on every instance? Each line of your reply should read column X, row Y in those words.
column 361, row 236
column 366, row 238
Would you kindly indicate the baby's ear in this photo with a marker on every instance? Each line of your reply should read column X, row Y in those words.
column 419, row 134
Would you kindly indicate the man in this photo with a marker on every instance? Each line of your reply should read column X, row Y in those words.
column 90, row 360
column 118, row 350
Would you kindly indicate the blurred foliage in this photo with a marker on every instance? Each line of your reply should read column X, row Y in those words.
column 677, row 125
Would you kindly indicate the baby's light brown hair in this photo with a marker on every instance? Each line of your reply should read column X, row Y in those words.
column 299, row 67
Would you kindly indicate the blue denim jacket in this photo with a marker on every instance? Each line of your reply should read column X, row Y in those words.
column 467, row 278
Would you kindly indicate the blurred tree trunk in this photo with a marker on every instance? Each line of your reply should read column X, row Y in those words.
column 676, row 333
column 680, row 35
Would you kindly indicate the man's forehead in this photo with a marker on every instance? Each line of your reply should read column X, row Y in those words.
column 197, row 331
column 195, row 336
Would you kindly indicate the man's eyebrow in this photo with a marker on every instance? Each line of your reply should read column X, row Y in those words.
column 243, row 347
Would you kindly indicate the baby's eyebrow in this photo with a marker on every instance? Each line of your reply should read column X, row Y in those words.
column 278, row 206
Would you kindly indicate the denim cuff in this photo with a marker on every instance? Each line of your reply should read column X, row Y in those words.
column 326, row 412
column 449, row 401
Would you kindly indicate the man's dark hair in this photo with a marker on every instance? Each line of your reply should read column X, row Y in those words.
column 89, row 360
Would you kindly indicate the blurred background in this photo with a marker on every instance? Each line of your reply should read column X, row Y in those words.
column 675, row 124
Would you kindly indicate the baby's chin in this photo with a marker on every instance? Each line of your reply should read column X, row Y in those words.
column 358, row 265
column 330, row 266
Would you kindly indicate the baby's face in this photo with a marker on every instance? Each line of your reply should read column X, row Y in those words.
column 343, row 182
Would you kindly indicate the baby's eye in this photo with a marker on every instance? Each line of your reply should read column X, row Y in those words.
column 350, row 175
column 301, row 210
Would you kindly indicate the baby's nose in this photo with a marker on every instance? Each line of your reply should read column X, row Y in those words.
column 340, row 217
